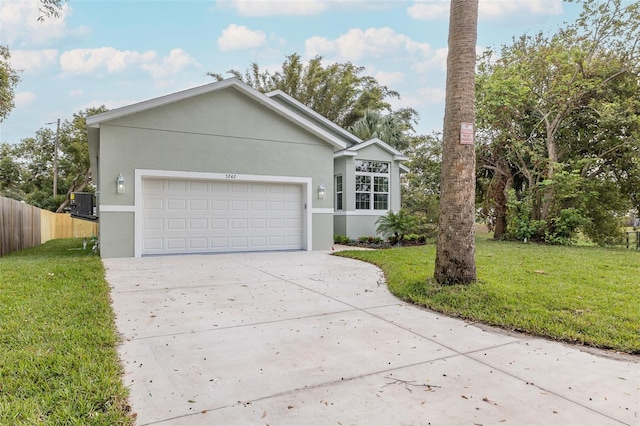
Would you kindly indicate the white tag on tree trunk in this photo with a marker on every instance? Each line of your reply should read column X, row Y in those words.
column 466, row 133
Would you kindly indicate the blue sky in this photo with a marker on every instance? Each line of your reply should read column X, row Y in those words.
column 115, row 53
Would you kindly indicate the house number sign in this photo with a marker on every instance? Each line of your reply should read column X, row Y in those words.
column 466, row 133
column 228, row 176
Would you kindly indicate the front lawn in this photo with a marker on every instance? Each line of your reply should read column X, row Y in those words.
column 584, row 295
column 58, row 358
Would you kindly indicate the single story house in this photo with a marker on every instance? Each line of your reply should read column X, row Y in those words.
column 225, row 168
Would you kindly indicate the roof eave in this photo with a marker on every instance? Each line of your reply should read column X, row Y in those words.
column 94, row 121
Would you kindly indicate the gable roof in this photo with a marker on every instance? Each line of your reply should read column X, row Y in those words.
column 353, row 150
column 94, row 121
column 302, row 108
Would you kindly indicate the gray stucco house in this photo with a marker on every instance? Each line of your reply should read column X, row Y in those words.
column 223, row 168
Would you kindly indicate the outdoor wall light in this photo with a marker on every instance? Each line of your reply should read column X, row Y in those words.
column 120, row 184
column 322, row 191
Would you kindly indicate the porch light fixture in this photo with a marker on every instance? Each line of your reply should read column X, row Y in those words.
column 322, row 191
column 120, row 187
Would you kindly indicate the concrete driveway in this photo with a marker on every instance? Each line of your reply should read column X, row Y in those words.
column 305, row 338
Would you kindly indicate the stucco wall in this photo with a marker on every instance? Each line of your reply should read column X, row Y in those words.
column 116, row 234
column 358, row 223
column 322, row 239
column 219, row 132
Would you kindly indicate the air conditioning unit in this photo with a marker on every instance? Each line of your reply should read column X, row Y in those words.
column 82, row 205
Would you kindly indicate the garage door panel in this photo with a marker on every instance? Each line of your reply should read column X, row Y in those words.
column 294, row 223
column 154, row 244
column 239, row 224
column 258, row 188
column 153, row 224
column 198, row 186
column 294, row 206
column 176, row 185
column 219, row 243
column 258, row 206
column 199, row 216
column 176, row 243
column 179, row 224
column 198, row 204
column 258, row 224
column 219, row 205
column 239, row 205
column 153, row 203
column 173, row 204
column 294, row 240
column 198, row 243
column 240, row 188
column 276, row 206
column 218, row 224
column 240, row 242
column 199, row 224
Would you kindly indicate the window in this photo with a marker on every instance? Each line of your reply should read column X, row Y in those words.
column 372, row 185
column 338, row 192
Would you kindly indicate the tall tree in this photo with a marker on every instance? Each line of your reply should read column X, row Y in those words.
column 8, row 80
column 563, row 104
column 74, row 162
column 27, row 167
column 49, row 8
column 421, row 185
column 393, row 128
column 455, row 251
column 338, row 91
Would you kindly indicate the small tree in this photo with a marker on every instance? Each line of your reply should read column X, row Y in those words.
column 395, row 226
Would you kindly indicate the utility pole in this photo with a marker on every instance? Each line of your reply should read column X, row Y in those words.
column 55, row 161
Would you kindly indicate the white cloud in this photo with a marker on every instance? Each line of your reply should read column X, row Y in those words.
column 271, row 7
column 77, row 93
column 33, row 60
column 495, row 9
column 24, row 99
column 389, row 79
column 20, row 25
column 437, row 61
column 432, row 95
column 429, row 10
column 236, row 37
column 170, row 65
column 92, row 60
column 370, row 43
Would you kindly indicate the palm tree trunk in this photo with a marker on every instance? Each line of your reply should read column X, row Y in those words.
column 455, row 254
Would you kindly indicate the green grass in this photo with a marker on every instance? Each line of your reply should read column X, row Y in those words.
column 58, row 358
column 583, row 295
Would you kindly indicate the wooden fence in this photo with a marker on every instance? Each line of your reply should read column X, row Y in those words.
column 23, row 226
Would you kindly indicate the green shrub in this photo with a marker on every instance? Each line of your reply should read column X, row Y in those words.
column 370, row 240
column 415, row 239
column 341, row 239
column 395, row 225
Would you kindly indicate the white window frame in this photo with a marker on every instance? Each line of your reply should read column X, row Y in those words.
column 339, row 193
column 371, row 190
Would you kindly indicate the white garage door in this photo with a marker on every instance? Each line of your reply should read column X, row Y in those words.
column 200, row 216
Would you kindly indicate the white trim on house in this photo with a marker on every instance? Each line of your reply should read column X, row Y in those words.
column 352, row 151
column 306, row 183
column 344, row 153
column 360, row 212
column 111, row 208
column 321, row 211
column 299, row 105
column 96, row 120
